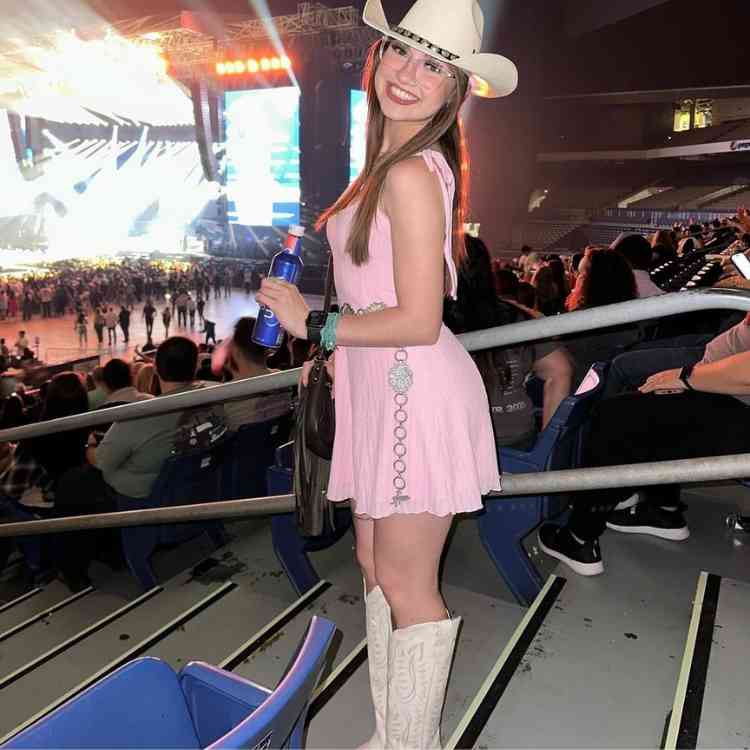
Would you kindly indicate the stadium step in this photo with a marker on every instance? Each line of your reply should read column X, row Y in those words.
column 710, row 706
column 105, row 644
column 487, row 626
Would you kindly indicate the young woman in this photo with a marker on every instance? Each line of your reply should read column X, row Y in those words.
column 414, row 443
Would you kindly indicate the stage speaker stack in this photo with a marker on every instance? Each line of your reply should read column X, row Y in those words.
column 204, row 131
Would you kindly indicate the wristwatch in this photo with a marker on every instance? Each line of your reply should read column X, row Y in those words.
column 685, row 374
column 316, row 320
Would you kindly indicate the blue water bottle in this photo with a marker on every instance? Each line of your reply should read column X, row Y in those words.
column 286, row 265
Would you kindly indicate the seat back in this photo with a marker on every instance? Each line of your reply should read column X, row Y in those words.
column 279, row 721
column 559, row 444
column 191, row 476
column 140, row 705
column 251, row 454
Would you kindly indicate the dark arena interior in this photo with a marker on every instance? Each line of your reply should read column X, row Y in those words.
column 558, row 464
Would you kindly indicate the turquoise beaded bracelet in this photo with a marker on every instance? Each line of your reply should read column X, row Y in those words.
column 328, row 334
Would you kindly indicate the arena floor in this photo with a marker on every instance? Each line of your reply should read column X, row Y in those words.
column 58, row 341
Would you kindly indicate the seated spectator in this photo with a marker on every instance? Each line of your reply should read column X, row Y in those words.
column 505, row 371
column 4, row 356
column 118, row 384
column 549, row 296
column 132, row 453
column 506, row 284
column 639, row 254
column 97, row 396
column 147, row 382
column 12, row 414
column 559, row 276
column 38, row 476
column 246, row 359
column 665, row 240
column 526, row 295
column 605, row 278
column 678, row 414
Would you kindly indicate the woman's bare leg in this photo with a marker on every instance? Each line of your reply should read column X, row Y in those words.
column 407, row 552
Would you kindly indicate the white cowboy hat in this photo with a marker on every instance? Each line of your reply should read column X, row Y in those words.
column 450, row 31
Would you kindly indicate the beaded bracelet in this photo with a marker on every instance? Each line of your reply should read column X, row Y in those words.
column 328, row 334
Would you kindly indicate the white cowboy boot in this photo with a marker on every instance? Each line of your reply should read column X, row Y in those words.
column 379, row 627
column 419, row 663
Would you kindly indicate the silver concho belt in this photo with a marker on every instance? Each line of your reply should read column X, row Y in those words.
column 401, row 379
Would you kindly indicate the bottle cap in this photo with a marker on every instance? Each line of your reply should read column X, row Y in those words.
column 297, row 230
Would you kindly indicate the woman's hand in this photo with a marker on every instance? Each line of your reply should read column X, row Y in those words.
column 307, row 366
column 287, row 304
column 669, row 380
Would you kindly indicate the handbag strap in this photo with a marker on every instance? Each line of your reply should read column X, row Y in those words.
column 329, row 283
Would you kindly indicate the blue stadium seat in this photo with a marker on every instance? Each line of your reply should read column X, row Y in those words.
column 192, row 477
column 290, row 547
column 507, row 520
column 146, row 705
column 251, row 453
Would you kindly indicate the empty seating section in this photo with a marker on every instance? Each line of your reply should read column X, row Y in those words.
column 588, row 197
column 543, row 235
column 606, row 234
column 730, row 202
column 678, row 198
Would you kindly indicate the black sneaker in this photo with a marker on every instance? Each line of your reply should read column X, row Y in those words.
column 584, row 559
column 647, row 519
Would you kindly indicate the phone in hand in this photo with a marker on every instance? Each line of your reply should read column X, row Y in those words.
column 742, row 264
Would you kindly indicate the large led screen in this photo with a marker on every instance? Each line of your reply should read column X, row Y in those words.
column 262, row 156
column 358, row 120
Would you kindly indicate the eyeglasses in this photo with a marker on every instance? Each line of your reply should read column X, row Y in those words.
column 430, row 72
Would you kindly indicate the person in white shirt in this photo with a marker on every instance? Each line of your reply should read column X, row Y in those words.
column 638, row 253
column 111, row 319
column 22, row 343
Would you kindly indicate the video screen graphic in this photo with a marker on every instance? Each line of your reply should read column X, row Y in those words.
column 262, row 156
column 358, row 120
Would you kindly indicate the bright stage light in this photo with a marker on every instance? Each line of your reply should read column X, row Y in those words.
column 252, row 66
column 229, row 68
column 265, row 64
column 221, row 69
column 239, row 66
column 286, row 63
column 275, row 63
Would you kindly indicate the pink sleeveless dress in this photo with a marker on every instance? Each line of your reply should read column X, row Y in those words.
column 413, row 426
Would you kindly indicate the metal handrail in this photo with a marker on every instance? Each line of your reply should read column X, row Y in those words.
column 688, row 471
column 530, row 330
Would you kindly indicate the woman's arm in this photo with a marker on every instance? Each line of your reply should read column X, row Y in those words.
column 556, row 371
column 730, row 376
column 413, row 201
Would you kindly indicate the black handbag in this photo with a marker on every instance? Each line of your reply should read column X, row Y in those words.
column 313, row 443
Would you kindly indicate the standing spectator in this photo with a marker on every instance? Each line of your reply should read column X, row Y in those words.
column 191, row 310
column 27, row 306
column 166, row 319
column 45, row 295
column 81, row 328
column 125, row 322
column 149, row 311
column 99, row 323
column 111, row 320
column 209, row 328
column 182, row 304
column 200, row 305
column 12, row 305
column 3, row 304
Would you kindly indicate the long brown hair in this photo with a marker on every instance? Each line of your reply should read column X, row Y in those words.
column 444, row 130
